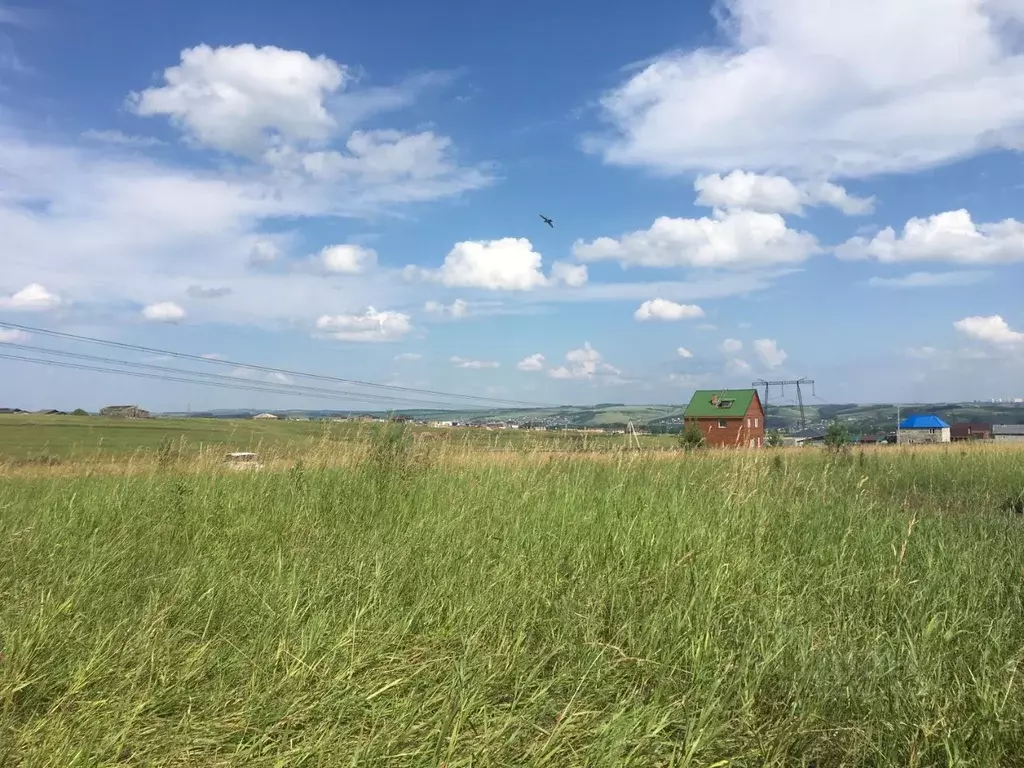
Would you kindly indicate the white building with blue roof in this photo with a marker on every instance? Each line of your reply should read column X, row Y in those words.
column 923, row 429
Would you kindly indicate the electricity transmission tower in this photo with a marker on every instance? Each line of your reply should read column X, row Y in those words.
column 782, row 391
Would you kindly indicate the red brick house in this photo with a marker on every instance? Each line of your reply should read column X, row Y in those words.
column 728, row 418
column 970, row 431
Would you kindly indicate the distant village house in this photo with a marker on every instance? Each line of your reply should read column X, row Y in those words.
column 915, row 430
column 1008, row 433
column 970, row 431
column 728, row 418
column 125, row 412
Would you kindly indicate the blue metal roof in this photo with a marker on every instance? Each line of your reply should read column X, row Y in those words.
column 923, row 422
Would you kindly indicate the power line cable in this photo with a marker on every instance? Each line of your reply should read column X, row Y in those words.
column 321, row 391
column 251, row 386
column 269, row 369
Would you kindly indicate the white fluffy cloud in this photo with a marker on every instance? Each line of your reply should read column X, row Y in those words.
column 13, row 336
column 460, row 362
column 369, row 326
column 949, row 237
column 508, row 264
column 531, row 363
column 457, row 308
column 737, row 367
column 121, row 139
column 584, row 363
column 245, row 98
column 33, row 297
column 264, row 251
column 684, row 352
column 730, row 240
column 930, row 280
column 199, row 292
column 992, row 329
column 347, row 259
column 286, row 111
column 769, row 353
column 163, row 312
column 410, row 167
column 775, row 194
column 663, row 309
column 731, row 346
column 569, row 275
column 850, row 87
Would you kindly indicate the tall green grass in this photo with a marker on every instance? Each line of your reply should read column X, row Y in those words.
column 750, row 610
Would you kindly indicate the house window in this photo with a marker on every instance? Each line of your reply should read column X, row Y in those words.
column 753, row 442
column 722, row 423
column 748, row 423
column 755, row 422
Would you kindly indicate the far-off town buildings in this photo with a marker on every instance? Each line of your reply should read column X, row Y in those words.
column 728, row 418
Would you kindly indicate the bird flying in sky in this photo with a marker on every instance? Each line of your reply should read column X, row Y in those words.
column 548, row 221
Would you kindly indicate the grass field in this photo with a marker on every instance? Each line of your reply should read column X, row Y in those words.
column 36, row 437
column 412, row 606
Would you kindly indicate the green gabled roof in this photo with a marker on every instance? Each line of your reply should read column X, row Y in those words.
column 700, row 406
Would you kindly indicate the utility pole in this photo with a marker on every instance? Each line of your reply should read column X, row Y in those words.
column 799, row 383
column 631, row 435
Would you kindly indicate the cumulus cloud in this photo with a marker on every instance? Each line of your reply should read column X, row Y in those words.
column 371, row 326
column 347, row 259
column 737, row 367
column 508, row 264
column 992, row 329
column 121, row 139
column 460, row 362
column 731, row 346
column 584, row 363
column 269, row 377
column 769, row 353
column 13, row 336
column 33, row 297
column 846, row 88
column 408, row 357
column 951, row 237
column 456, row 309
column 729, row 240
column 285, row 110
column 244, row 98
column 569, row 275
column 163, row 312
column 531, row 363
column 199, row 292
column 122, row 228
column 930, row 280
column 421, row 164
column 264, row 251
column 684, row 352
column 663, row 309
column 776, row 194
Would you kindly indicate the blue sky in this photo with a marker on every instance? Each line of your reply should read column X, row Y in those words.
column 740, row 190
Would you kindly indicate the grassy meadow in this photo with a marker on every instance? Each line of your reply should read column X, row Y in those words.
column 39, row 438
column 399, row 602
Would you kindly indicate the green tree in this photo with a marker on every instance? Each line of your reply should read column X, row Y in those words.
column 837, row 438
column 773, row 439
column 691, row 437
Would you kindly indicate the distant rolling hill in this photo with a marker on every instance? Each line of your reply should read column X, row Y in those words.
column 858, row 418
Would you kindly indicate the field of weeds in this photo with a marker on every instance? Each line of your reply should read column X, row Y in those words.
column 396, row 606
